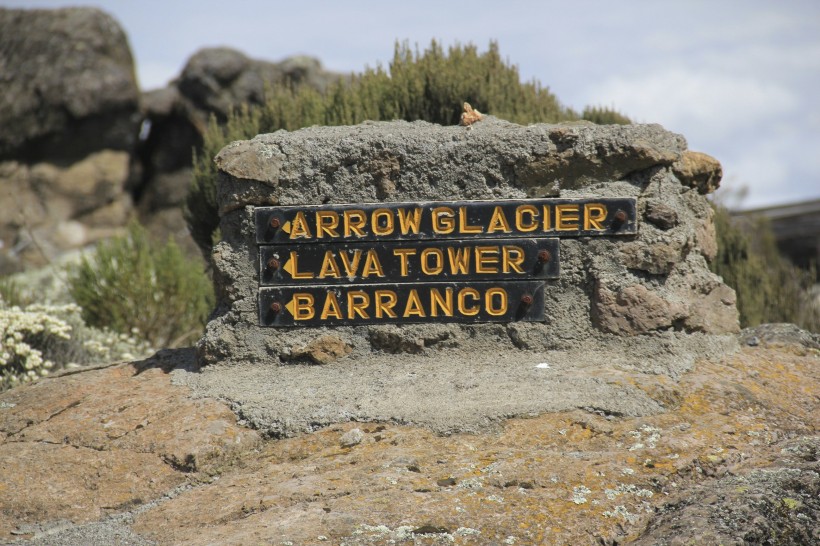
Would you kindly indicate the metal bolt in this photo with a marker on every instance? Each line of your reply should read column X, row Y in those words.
column 275, row 223
column 526, row 299
column 544, row 256
column 273, row 264
column 620, row 216
column 276, row 307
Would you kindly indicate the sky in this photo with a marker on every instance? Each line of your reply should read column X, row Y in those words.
column 740, row 79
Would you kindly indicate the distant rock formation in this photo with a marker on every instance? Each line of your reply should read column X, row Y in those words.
column 69, row 114
column 81, row 150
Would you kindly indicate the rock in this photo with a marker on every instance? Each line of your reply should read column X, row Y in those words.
column 79, row 63
column 352, row 437
column 125, row 453
column 661, row 215
column 323, row 350
column 400, row 161
column 699, row 171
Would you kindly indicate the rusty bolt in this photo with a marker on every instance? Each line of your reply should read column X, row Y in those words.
column 275, row 223
column 544, row 256
column 276, row 307
column 526, row 299
column 620, row 216
column 273, row 264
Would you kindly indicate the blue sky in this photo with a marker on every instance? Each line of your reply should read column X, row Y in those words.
column 740, row 79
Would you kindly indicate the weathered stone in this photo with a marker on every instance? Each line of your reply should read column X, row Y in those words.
column 323, row 350
column 400, row 161
column 663, row 216
column 80, row 65
column 699, row 171
column 121, row 454
column 634, row 310
column 352, row 437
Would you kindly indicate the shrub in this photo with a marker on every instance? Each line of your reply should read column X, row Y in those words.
column 131, row 283
column 40, row 338
column 430, row 86
column 769, row 287
column 604, row 116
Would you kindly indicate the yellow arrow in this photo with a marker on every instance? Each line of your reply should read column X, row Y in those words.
column 288, row 267
column 290, row 307
column 286, row 227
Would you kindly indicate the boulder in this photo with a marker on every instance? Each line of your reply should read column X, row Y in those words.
column 69, row 86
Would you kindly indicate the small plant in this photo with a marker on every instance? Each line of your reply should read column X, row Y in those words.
column 769, row 287
column 38, row 339
column 132, row 283
column 604, row 116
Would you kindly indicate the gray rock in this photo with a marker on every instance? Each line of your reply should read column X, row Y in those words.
column 352, row 437
column 69, row 86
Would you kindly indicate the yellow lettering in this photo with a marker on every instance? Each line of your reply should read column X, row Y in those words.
column 299, row 227
column 357, row 302
column 594, row 214
column 385, row 302
column 445, row 302
column 566, row 217
column 326, row 222
column 331, row 307
column 520, row 211
column 408, row 223
column 498, row 222
column 292, row 267
column 403, row 253
column 301, row 306
column 372, row 265
column 459, row 260
column 511, row 258
column 376, row 217
column 413, row 307
column 443, row 220
column 354, row 222
column 546, row 219
column 351, row 265
column 462, row 302
column 485, row 258
column 425, row 261
column 329, row 266
column 489, row 304
column 463, row 227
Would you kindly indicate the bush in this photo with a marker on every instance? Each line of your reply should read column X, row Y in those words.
column 769, row 287
column 604, row 116
column 131, row 283
column 38, row 339
column 430, row 86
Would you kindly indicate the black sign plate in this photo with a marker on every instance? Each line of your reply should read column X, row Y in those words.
column 409, row 261
column 344, row 305
column 514, row 218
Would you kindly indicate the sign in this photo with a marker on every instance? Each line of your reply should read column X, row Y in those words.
column 398, row 263
column 352, row 304
column 409, row 261
column 446, row 220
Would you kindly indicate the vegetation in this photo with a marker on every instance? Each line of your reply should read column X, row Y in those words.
column 430, row 86
column 769, row 288
column 132, row 284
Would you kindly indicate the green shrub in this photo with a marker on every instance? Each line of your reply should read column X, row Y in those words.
column 430, row 86
column 38, row 339
column 131, row 283
column 769, row 288
column 604, row 116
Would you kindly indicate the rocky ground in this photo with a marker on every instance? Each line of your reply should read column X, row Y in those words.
column 122, row 455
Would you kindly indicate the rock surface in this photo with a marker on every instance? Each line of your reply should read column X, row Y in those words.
column 121, row 454
column 657, row 282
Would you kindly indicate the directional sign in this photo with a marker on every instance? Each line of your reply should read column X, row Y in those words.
column 351, row 304
column 409, row 261
column 513, row 218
